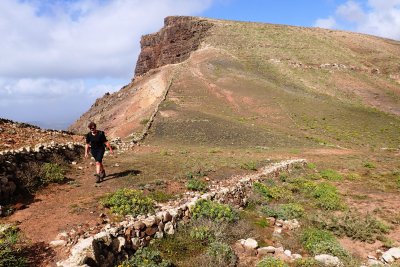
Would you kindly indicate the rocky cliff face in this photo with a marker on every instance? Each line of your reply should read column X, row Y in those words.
column 172, row 44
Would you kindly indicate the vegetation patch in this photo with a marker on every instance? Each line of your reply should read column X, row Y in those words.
column 161, row 196
column 10, row 251
column 354, row 225
column 146, row 257
column 128, row 201
column 271, row 262
column 331, row 175
column 318, row 241
column 215, row 211
column 272, row 192
column 307, row 262
column 196, row 185
column 369, row 165
column 251, row 165
column 284, row 211
column 221, row 254
column 327, row 197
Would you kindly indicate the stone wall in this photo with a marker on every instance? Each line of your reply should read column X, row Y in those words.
column 13, row 163
column 117, row 242
column 172, row 44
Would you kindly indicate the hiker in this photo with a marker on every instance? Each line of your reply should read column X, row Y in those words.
column 97, row 142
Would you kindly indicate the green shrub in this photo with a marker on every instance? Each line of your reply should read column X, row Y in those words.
column 161, row 196
column 221, row 254
column 353, row 177
column 369, row 165
column 203, row 233
column 318, row 241
column 249, row 166
column 271, row 262
column 331, row 175
column 307, row 262
column 213, row 210
column 284, row 211
column 144, row 121
column 128, row 201
column 311, row 166
column 52, row 173
column 196, row 185
column 10, row 252
column 327, row 197
column 365, row 228
column 272, row 192
column 146, row 257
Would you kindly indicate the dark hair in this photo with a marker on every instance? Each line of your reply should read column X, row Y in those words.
column 91, row 125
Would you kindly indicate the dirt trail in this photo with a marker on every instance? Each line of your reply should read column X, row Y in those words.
column 59, row 208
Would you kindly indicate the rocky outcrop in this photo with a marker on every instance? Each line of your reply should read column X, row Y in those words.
column 172, row 44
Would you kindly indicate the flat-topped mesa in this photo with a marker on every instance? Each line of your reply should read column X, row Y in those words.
column 172, row 44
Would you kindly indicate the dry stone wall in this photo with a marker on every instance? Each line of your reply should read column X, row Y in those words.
column 117, row 242
column 14, row 162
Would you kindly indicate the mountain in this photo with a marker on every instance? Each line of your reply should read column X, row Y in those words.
column 223, row 83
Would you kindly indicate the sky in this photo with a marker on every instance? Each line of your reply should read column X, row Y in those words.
column 58, row 56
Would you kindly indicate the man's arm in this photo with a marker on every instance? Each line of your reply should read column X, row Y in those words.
column 86, row 150
column 109, row 147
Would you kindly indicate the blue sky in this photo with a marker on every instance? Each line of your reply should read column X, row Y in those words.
column 58, row 56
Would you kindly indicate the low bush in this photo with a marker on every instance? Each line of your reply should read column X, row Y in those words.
column 318, row 241
column 331, row 175
column 251, row 165
column 10, row 252
column 196, row 185
column 271, row 262
column 327, row 197
column 272, row 192
column 311, row 166
column 307, row 262
column 52, row 173
column 221, row 254
column 128, row 201
column 202, row 233
column 369, row 165
column 161, row 196
column 215, row 211
column 354, row 225
column 146, row 257
column 284, row 211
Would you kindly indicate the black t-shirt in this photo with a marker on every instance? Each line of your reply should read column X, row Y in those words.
column 96, row 141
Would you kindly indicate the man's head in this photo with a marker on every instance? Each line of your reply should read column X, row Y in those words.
column 92, row 126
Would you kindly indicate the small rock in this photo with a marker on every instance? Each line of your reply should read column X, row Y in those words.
column 57, row 243
column 266, row 250
column 387, row 257
column 288, row 253
column 296, row 256
column 116, row 165
column 139, row 225
column 249, row 244
column 372, row 262
column 169, row 228
column 74, row 163
column 328, row 260
column 394, row 252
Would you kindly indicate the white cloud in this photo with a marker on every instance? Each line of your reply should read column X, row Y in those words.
column 70, row 52
column 81, row 38
column 328, row 23
column 376, row 17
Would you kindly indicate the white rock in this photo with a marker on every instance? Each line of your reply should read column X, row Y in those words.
column 74, row 163
column 150, row 221
column 288, row 253
column 394, row 252
column 169, row 228
column 296, row 256
column 57, row 243
column 387, row 257
column 250, row 244
column 266, row 250
column 328, row 260
column 79, row 253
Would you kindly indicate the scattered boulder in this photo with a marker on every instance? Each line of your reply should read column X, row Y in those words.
column 328, row 260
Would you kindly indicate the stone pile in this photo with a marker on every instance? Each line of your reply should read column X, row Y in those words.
column 117, row 242
column 12, row 163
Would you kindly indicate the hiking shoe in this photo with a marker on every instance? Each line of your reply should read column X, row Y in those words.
column 98, row 179
column 103, row 175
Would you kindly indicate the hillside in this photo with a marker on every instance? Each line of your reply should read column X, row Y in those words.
column 227, row 82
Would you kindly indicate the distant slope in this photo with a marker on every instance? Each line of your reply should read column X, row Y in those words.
column 253, row 84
